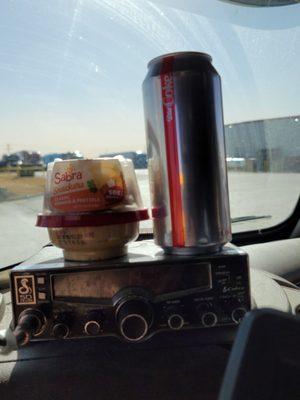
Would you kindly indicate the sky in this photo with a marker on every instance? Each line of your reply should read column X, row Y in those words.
column 71, row 70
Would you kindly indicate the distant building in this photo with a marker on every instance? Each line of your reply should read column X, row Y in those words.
column 138, row 158
column 23, row 157
column 274, row 144
column 71, row 155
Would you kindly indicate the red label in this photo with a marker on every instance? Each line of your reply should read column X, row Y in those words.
column 168, row 100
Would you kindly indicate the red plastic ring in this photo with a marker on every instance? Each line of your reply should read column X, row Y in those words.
column 91, row 219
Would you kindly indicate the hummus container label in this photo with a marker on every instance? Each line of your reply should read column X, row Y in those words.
column 86, row 185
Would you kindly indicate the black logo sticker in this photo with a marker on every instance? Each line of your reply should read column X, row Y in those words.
column 25, row 289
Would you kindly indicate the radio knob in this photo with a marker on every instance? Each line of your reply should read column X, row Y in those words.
column 238, row 314
column 30, row 323
column 134, row 318
column 92, row 328
column 175, row 321
column 209, row 319
column 60, row 330
column 93, row 322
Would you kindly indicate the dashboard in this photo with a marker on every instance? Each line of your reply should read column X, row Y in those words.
column 78, row 369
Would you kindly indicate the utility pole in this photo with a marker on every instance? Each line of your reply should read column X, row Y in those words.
column 8, row 148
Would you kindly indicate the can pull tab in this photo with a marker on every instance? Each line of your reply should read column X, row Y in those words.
column 30, row 323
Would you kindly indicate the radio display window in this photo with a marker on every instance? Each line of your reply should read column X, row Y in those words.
column 159, row 280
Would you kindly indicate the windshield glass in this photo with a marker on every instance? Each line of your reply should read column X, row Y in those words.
column 71, row 75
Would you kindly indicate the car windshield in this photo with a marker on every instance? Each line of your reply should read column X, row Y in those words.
column 71, row 75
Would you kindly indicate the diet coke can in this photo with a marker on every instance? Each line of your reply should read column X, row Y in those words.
column 186, row 153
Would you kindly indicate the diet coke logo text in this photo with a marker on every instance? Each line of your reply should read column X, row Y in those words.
column 168, row 95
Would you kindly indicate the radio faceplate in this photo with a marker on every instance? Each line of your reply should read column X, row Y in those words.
column 131, row 297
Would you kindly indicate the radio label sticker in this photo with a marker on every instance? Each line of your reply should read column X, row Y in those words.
column 25, row 289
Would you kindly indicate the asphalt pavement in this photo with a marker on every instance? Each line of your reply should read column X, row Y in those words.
column 19, row 238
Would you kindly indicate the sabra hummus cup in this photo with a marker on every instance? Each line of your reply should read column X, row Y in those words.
column 93, row 236
column 84, row 185
column 92, row 224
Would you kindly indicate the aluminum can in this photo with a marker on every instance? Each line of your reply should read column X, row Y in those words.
column 186, row 153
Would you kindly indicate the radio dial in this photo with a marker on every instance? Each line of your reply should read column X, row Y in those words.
column 92, row 328
column 238, row 314
column 175, row 321
column 134, row 317
column 93, row 323
column 62, row 324
column 209, row 319
column 60, row 330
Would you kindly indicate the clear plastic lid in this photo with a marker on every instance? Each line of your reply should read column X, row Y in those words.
column 91, row 185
